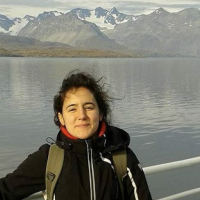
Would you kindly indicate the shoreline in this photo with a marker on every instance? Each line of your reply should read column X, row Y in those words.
column 65, row 53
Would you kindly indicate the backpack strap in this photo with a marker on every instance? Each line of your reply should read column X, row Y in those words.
column 120, row 165
column 55, row 164
column 53, row 169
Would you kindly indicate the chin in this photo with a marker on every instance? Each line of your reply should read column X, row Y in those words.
column 84, row 137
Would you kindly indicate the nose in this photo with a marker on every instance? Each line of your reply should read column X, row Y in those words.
column 82, row 114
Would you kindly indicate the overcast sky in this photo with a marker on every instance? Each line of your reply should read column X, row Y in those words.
column 20, row 8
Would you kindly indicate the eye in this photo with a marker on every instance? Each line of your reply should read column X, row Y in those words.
column 72, row 110
column 89, row 107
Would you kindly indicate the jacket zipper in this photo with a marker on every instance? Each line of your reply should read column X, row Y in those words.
column 91, row 172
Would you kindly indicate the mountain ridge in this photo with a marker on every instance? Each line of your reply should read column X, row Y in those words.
column 162, row 32
column 68, row 29
column 159, row 33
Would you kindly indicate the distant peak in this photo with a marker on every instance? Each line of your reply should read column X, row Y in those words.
column 3, row 17
column 190, row 10
column 56, row 13
column 76, row 9
column 46, row 14
column 99, row 12
column 114, row 11
column 81, row 13
column 99, row 9
column 17, row 19
column 29, row 17
column 160, row 11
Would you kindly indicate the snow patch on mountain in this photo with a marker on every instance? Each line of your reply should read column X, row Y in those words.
column 3, row 30
column 56, row 13
column 18, row 25
column 101, row 17
column 44, row 15
column 98, row 21
column 12, row 27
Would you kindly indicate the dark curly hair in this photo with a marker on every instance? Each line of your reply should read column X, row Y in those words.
column 77, row 80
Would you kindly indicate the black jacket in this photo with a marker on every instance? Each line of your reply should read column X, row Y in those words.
column 87, row 174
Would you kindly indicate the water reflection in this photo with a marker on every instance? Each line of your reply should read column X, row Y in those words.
column 157, row 102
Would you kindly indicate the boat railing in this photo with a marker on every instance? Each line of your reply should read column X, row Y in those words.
column 171, row 166
column 158, row 169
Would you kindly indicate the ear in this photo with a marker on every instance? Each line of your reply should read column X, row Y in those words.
column 60, row 117
column 100, row 117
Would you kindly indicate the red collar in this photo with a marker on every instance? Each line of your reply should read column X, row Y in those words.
column 102, row 129
column 66, row 133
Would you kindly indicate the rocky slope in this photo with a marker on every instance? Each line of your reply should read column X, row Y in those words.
column 162, row 32
column 159, row 33
column 68, row 29
column 7, row 41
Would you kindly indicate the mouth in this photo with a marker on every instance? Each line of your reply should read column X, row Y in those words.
column 82, row 125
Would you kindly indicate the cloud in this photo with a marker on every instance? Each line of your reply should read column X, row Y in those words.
column 35, row 3
column 19, row 8
column 4, row 9
column 21, row 11
column 144, row 7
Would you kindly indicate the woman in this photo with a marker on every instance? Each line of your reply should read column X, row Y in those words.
column 81, row 112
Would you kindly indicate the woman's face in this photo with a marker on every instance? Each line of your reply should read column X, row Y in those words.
column 80, row 113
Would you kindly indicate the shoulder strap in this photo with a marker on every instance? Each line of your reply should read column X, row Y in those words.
column 55, row 163
column 120, row 165
column 53, row 169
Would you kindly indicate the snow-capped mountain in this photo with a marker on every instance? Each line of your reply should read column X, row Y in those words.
column 162, row 32
column 67, row 29
column 104, row 19
column 49, row 14
column 101, row 17
column 19, row 23
column 12, row 27
column 5, row 23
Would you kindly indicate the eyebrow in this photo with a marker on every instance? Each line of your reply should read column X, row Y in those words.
column 86, row 103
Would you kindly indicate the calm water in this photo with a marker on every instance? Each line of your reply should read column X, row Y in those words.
column 159, row 107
